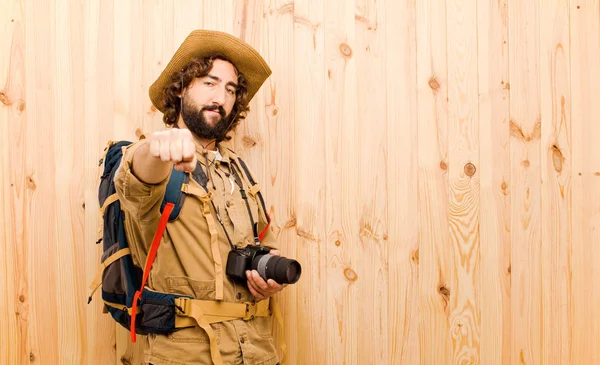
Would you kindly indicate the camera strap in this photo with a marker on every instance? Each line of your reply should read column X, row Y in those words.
column 238, row 180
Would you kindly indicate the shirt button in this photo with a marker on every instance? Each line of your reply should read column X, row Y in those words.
column 239, row 296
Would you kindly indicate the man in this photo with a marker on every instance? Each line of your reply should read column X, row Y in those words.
column 203, row 93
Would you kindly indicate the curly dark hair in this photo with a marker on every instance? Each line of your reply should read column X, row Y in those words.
column 200, row 67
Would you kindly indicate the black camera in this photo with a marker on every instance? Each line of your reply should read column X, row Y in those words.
column 278, row 268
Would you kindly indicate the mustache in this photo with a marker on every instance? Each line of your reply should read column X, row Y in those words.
column 213, row 108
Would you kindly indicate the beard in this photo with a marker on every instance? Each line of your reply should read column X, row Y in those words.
column 196, row 122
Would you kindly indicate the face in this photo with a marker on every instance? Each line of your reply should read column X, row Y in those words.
column 208, row 101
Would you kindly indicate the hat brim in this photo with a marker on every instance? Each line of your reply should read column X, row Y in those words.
column 206, row 42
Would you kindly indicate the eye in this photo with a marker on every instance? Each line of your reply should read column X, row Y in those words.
column 209, row 83
column 231, row 91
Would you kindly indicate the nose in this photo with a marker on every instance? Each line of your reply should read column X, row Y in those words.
column 219, row 96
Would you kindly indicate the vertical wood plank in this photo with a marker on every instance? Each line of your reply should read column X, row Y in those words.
column 310, row 166
column 463, row 157
column 556, row 166
column 525, row 129
column 372, row 230
column 436, row 273
column 278, row 51
column 68, row 80
column 14, row 273
column 494, row 176
column 585, row 213
column 342, row 177
column 41, row 221
column 398, row 23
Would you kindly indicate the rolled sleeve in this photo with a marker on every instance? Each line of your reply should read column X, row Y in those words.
column 139, row 199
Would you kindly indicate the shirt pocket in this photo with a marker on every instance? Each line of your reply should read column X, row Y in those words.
column 242, row 225
column 263, row 326
column 198, row 289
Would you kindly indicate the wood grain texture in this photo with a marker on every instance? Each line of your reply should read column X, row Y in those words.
column 398, row 24
column 433, row 165
column 556, row 192
column 14, row 274
column 371, row 194
column 342, row 155
column 41, row 224
column 525, row 187
column 309, row 152
column 494, row 180
column 463, row 157
column 585, row 209
column 437, row 280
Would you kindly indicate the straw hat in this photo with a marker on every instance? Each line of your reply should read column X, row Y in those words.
column 204, row 42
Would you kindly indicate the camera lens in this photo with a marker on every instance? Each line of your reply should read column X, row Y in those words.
column 280, row 269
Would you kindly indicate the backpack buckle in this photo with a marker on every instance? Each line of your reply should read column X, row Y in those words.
column 250, row 311
column 183, row 305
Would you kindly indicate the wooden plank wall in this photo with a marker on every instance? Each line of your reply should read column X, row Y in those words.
column 434, row 164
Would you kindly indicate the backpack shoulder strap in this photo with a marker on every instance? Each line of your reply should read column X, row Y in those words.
column 173, row 193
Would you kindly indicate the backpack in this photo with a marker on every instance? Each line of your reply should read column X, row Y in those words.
column 132, row 305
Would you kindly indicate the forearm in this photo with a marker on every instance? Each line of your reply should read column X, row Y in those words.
column 147, row 168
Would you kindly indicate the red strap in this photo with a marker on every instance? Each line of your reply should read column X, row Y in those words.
column 162, row 225
column 264, row 231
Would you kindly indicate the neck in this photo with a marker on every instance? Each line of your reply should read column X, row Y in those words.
column 209, row 144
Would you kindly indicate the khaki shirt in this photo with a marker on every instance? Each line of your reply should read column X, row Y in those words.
column 184, row 262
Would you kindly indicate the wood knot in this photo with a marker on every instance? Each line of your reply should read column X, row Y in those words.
column 31, row 357
column 21, row 107
column 346, row 50
column 595, row 173
column 525, row 163
column 470, row 169
column 444, row 291
column 557, row 158
column 504, row 186
column 22, row 298
column 415, row 256
column 338, row 243
column 30, row 183
column 509, row 269
column 305, row 234
column 275, row 111
column 443, row 166
column 434, row 84
column 4, row 98
column 291, row 223
column 248, row 142
column 350, row 274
